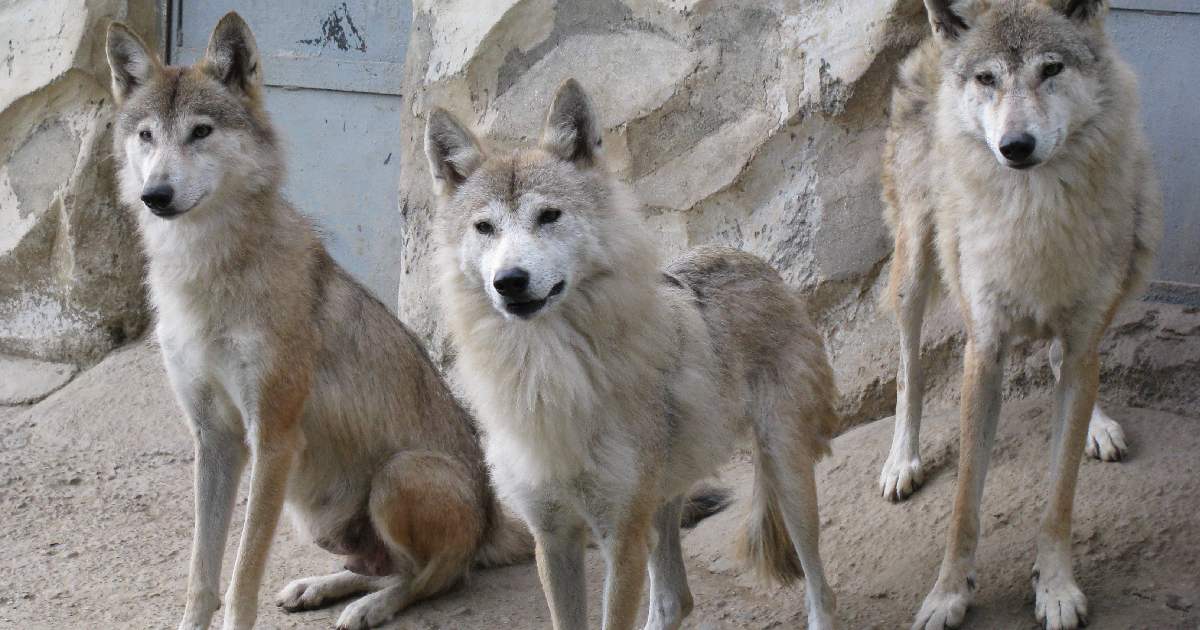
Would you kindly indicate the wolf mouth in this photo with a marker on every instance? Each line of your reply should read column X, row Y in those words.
column 526, row 309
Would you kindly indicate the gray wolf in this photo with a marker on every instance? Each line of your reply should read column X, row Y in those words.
column 278, row 357
column 606, row 385
column 1015, row 156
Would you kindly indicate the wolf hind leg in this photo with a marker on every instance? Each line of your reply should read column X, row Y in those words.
column 426, row 509
column 782, row 535
column 908, row 289
column 1105, row 439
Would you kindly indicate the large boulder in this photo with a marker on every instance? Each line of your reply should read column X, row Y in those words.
column 758, row 125
column 70, row 264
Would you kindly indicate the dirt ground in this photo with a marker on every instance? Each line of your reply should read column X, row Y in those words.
column 95, row 526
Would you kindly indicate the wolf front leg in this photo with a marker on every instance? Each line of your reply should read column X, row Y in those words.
column 274, row 435
column 560, row 542
column 626, row 554
column 1059, row 604
column 220, row 458
column 946, row 605
column 911, row 276
column 670, row 599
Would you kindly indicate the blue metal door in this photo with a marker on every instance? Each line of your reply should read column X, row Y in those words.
column 332, row 70
column 1161, row 39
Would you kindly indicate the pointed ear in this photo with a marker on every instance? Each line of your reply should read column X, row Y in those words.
column 132, row 63
column 571, row 131
column 452, row 151
column 1082, row 10
column 947, row 24
column 232, row 55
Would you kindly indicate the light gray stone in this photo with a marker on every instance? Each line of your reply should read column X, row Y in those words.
column 758, row 125
column 70, row 265
column 26, row 381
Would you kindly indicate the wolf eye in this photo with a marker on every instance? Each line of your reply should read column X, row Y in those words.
column 1052, row 69
column 483, row 227
column 145, row 135
column 201, row 131
column 986, row 79
column 549, row 216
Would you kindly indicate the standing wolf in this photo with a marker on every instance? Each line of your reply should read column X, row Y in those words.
column 1015, row 153
column 274, row 352
column 606, row 386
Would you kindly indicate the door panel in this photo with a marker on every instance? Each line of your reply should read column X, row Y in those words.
column 333, row 75
column 1161, row 39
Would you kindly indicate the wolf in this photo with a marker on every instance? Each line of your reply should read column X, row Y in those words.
column 1015, row 158
column 606, row 385
column 278, row 357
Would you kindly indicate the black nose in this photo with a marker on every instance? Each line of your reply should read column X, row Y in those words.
column 511, row 282
column 1017, row 146
column 158, row 198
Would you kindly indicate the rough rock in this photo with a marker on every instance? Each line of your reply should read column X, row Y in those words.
column 755, row 125
column 70, row 265
column 752, row 124
column 24, row 381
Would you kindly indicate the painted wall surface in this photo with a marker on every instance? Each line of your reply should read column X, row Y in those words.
column 333, row 71
column 1161, row 39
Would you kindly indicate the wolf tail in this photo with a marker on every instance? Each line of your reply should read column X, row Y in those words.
column 765, row 544
column 796, row 422
column 507, row 541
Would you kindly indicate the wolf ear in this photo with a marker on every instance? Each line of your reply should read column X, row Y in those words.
column 571, row 131
column 232, row 55
column 452, row 151
column 947, row 25
column 131, row 62
column 1081, row 10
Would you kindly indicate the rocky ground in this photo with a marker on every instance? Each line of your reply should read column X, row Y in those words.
column 95, row 523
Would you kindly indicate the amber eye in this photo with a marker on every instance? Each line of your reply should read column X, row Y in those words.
column 483, row 227
column 986, row 79
column 201, row 131
column 549, row 216
column 145, row 135
column 1051, row 69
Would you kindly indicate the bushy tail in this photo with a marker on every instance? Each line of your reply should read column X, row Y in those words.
column 765, row 544
column 703, row 502
column 508, row 541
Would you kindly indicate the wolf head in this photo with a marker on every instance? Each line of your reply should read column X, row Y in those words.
column 528, row 228
column 1022, row 74
column 187, row 137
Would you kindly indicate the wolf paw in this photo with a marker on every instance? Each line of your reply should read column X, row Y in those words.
column 370, row 611
column 1059, row 604
column 303, row 594
column 1106, row 439
column 901, row 477
column 945, row 607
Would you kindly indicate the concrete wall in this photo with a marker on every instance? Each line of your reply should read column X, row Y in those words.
column 70, row 267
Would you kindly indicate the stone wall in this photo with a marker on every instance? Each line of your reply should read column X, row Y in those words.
column 752, row 124
column 70, row 264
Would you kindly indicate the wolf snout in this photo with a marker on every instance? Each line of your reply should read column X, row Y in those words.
column 512, row 282
column 158, row 198
column 1017, row 147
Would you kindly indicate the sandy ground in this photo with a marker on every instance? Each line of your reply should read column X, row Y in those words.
column 95, row 502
